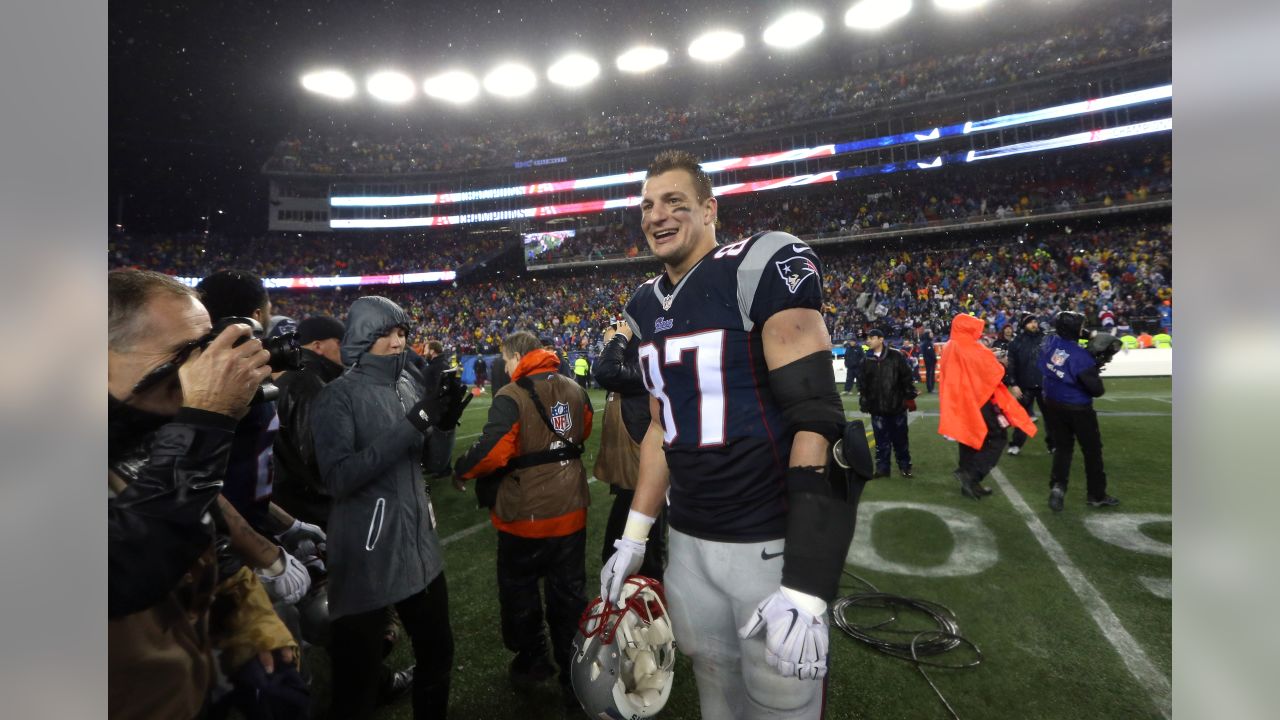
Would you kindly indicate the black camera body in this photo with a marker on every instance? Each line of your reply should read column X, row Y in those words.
column 286, row 353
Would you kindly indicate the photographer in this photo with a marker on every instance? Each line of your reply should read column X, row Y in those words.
column 439, row 450
column 529, row 471
column 383, row 546
column 1071, row 381
column 249, row 480
column 298, row 486
column 174, row 396
column 626, row 418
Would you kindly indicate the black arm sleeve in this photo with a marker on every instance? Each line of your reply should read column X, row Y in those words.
column 615, row 372
column 1091, row 381
column 158, row 526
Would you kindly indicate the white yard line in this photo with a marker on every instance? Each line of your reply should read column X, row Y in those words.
column 1163, row 400
column 1135, row 659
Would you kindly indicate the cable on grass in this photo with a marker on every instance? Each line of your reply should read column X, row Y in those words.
column 915, row 646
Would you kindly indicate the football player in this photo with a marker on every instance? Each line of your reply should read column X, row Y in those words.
column 736, row 356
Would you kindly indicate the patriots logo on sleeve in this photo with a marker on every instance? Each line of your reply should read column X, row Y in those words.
column 795, row 271
column 561, row 420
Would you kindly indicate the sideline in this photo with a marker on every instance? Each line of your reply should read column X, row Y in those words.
column 1135, row 659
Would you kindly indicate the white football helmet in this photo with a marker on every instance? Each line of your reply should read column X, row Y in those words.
column 624, row 657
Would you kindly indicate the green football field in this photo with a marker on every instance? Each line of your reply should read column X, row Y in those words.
column 1071, row 611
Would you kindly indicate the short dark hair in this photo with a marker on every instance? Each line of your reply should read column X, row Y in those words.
column 435, row 346
column 520, row 343
column 669, row 160
column 232, row 293
column 128, row 291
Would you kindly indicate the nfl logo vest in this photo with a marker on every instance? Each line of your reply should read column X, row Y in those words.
column 561, row 420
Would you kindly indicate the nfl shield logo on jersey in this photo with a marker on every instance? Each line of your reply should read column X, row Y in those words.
column 1059, row 357
column 561, row 420
column 795, row 271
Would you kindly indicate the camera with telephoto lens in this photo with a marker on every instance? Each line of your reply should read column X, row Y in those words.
column 285, row 352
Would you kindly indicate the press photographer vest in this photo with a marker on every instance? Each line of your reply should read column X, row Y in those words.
column 549, row 490
column 619, row 460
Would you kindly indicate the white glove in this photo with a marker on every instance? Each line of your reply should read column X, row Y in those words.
column 289, row 584
column 796, row 640
column 627, row 558
column 622, row 564
column 307, row 540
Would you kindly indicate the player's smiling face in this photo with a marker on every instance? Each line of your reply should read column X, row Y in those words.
column 679, row 228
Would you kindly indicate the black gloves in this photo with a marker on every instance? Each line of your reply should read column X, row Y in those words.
column 441, row 407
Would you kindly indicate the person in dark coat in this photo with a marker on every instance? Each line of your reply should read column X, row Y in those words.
column 929, row 354
column 383, row 546
column 439, row 445
column 299, row 488
column 886, row 392
column 853, row 354
column 1025, row 376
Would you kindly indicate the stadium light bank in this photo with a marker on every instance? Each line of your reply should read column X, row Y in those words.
column 876, row 14
column 793, row 30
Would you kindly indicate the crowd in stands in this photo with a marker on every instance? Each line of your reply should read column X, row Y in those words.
column 926, row 77
column 1121, row 269
column 1060, row 182
column 308, row 255
column 1124, row 271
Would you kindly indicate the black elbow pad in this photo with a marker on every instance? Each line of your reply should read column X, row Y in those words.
column 806, row 392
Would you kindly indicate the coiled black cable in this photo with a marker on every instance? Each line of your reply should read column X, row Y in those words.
column 923, row 644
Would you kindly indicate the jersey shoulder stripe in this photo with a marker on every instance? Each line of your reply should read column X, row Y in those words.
column 772, row 251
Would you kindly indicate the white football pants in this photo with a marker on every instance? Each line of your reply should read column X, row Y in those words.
column 713, row 588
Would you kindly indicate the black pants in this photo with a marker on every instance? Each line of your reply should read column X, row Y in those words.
column 850, row 378
column 891, row 433
column 655, row 551
column 1030, row 398
column 975, row 464
column 930, row 364
column 1068, row 424
column 356, row 654
column 561, row 563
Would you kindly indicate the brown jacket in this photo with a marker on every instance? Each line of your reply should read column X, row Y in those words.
column 619, row 460
column 159, row 660
column 547, row 500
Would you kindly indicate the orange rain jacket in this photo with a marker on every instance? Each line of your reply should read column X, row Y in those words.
column 970, row 376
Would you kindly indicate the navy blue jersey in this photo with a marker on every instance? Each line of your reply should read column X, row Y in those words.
column 249, row 479
column 701, row 356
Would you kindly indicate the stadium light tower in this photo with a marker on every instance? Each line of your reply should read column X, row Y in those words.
column 510, row 80
column 875, row 14
column 390, row 86
column 716, row 45
column 793, row 30
column 455, row 86
column 573, row 71
column 330, row 83
column 959, row 5
column 642, row 59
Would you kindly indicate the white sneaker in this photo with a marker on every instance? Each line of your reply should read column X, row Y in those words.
column 1014, row 450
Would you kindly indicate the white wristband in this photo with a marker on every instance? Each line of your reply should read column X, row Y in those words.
column 637, row 527
column 811, row 604
column 276, row 568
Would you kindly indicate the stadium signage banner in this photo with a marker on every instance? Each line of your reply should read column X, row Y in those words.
column 310, row 283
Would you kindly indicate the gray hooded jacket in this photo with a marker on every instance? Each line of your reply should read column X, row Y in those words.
column 382, row 545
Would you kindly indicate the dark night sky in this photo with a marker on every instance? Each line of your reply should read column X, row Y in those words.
column 201, row 91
